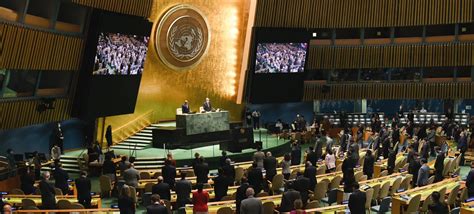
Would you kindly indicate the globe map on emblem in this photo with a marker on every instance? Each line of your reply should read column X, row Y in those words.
column 182, row 37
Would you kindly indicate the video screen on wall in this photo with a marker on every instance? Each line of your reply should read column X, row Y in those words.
column 120, row 54
column 280, row 57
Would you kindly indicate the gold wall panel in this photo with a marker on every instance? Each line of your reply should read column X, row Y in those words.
column 402, row 90
column 16, row 114
column 163, row 90
column 131, row 7
column 419, row 55
column 25, row 48
column 361, row 13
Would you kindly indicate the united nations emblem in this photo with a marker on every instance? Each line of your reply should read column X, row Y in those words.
column 182, row 37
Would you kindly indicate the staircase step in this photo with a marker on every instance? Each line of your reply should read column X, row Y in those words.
column 127, row 147
column 138, row 140
column 127, row 142
column 144, row 134
column 147, row 131
column 71, row 161
column 151, row 159
column 148, row 167
column 132, row 145
column 141, row 137
column 148, row 162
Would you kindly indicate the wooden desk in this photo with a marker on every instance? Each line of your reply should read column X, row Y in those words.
column 398, row 202
column 335, row 209
column 15, row 200
column 371, row 183
column 379, row 166
column 466, row 208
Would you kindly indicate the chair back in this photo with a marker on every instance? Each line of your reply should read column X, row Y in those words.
column 149, row 187
column 463, row 196
column 262, row 194
column 58, row 191
column 227, row 198
column 452, row 196
column 294, row 173
column 76, row 206
column 384, row 190
column 457, row 171
column 426, row 204
column 376, row 193
column 357, row 175
column 225, row 210
column 405, row 167
column 332, row 196
column 406, row 182
column 442, row 192
column 335, row 182
column 383, row 173
column 320, row 190
column 339, row 167
column 277, row 183
column 447, row 165
column 361, row 160
column 312, row 205
column 26, row 202
column 16, row 191
column 105, row 184
column 145, row 175
column 362, row 178
column 268, row 207
column 368, row 195
column 413, row 204
column 157, row 174
column 430, row 180
column 385, row 204
column 63, row 204
column 239, row 173
column 395, row 185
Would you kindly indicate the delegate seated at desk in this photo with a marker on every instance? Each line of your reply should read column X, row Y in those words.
column 185, row 109
column 207, row 105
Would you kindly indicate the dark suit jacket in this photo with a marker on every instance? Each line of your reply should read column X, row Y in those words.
column 425, row 151
column 207, row 106
column 391, row 162
column 369, row 165
column 296, row 156
column 438, row 208
column 310, row 173
column 301, row 185
column 60, row 180
column 83, row 186
column 229, row 170
column 156, row 209
column 357, row 202
column 108, row 167
column 255, row 177
column 270, row 165
column 27, row 184
column 312, row 157
column 169, row 174
column 470, row 183
column 183, row 191
column 201, row 170
column 185, row 109
column 288, row 199
column 162, row 189
column 47, row 195
column 221, row 185
column 439, row 166
column 413, row 168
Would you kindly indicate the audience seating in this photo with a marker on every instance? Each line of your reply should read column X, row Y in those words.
column 368, row 197
column 413, row 204
column 383, row 207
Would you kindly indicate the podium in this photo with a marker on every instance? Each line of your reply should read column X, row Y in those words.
column 201, row 123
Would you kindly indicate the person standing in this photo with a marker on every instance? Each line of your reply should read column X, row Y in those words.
column 61, row 179
column 162, row 189
column 169, row 174
column 255, row 177
column 369, row 164
column 423, row 174
column 357, row 200
column 55, row 153
column 221, row 185
column 256, row 119
column 240, row 194
column 200, row 199
column 439, row 166
column 48, row 195
column 126, row 203
column 295, row 154
column 156, row 207
column 270, row 164
column 288, row 198
column 108, row 137
column 285, row 165
column 83, row 186
column 258, row 157
column 251, row 205
column 202, row 171
column 438, row 206
column 131, row 176
column 470, row 181
column 183, row 190
column 310, row 172
column 330, row 161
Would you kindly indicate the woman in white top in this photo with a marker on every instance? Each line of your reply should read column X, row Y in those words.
column 285, row 165
column 330, row 161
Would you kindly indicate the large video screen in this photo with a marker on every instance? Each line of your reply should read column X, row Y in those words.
column 120, row 54
column 280, row 57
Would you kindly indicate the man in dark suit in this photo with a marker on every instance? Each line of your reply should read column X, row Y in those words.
column 240, row 195
column 229, row 169
column 425, row 150
column 221, row 184
column 223, row 158
column 162, row 189
column 357, row 200
column 437, row 206
column 183, row 190
column 207, row 105
column 470, row 181
column 288, row 199
column 295, row 154
column 201, row 170
column 156, row 207
column 185, row 107
column 423, row 174
column 439, row 166
column 301, row 185
column 413, row 168
column 270, row 165
column 255, row 177
column 60, row 179
column 310, row 172
column 392, row 156
column 169, row 174
column 369, row 161
column 48, row 199
column 311, row 156
column 83, row 186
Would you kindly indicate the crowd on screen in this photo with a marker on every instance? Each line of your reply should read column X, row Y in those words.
column 119, row 54
column 280, row 57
